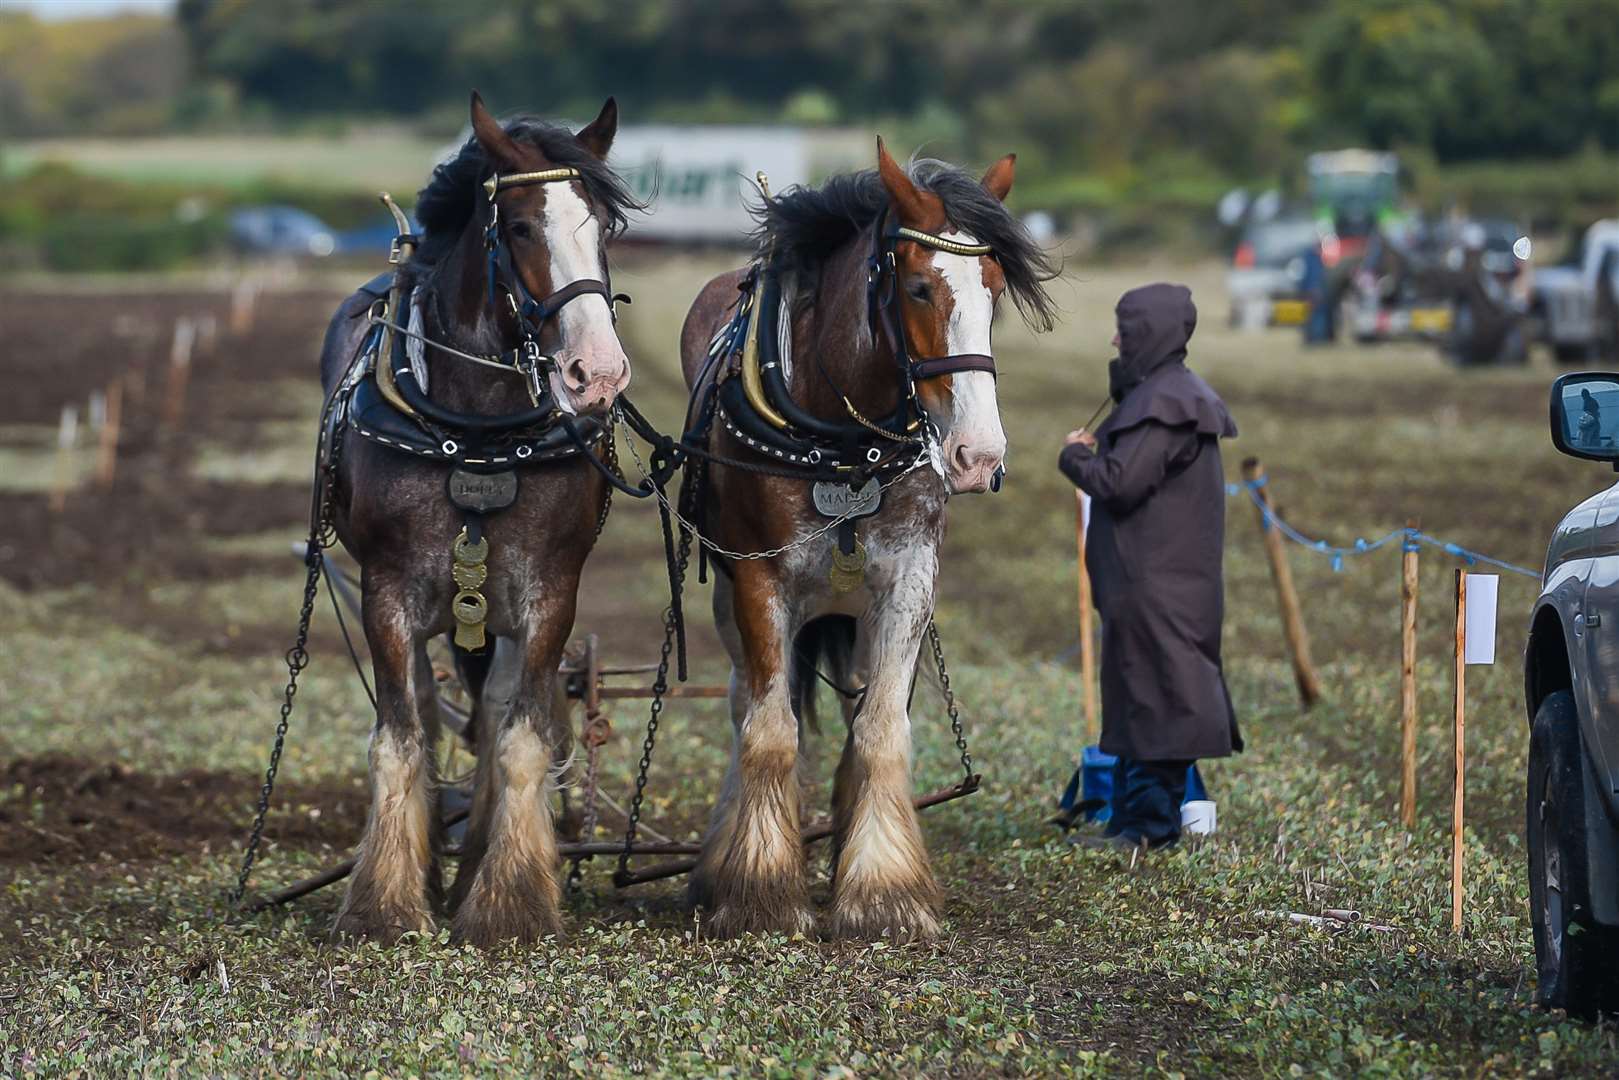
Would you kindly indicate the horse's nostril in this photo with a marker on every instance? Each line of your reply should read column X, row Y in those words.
column 576, row 374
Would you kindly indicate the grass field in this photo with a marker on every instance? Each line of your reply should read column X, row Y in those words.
column 142, row 671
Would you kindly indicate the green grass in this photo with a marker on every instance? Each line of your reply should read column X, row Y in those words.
column 1053, row 961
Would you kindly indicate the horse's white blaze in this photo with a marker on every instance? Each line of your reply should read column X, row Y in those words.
column 974, row 431
column 573, row 237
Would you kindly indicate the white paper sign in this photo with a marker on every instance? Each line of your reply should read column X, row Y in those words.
column 1480, row 644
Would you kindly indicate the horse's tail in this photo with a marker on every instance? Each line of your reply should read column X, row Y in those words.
column 822, row 651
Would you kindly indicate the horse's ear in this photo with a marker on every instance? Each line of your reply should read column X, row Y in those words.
column 491, row 136
column 597, row 136
column 908, row 201
column 998, row 180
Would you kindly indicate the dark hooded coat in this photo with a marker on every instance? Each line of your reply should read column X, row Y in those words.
column 1156, row 541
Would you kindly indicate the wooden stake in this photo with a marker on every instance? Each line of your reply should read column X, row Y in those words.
column 1408, row 681
column 1298, row 642
column 107, row 450
column 67, row 434
column 1087, row 639
column 207, row 334
column 243, row 298
column 1459, row 784
column 174, row 394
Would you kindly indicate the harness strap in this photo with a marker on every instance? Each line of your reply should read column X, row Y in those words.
column 541, row 311
column 951, row 365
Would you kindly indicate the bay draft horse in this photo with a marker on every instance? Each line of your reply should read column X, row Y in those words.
column 537, row 237
column 776, row 616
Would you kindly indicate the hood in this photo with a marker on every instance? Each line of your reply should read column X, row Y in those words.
column 1155, row 323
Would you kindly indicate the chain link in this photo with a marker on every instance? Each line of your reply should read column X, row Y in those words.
column 322, row 535
column 609, row 458
column 922, row 460
column 660, row 687
column 950, row 704
column 297, row 660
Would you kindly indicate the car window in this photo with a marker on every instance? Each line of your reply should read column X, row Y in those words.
column 1276, row 243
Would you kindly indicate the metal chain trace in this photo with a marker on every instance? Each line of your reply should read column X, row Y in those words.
column 971, row 779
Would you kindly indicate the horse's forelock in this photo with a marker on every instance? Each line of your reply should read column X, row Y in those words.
column 445, row 205
column 806, row 225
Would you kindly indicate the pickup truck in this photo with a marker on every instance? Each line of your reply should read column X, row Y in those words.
column 1565, row 300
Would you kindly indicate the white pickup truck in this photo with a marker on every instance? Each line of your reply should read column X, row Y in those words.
column 1565, row 298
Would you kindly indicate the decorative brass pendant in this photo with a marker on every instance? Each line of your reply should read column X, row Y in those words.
column 469, row 607
column 848, row 571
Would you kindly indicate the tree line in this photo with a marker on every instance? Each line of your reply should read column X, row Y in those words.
column 1112, row 92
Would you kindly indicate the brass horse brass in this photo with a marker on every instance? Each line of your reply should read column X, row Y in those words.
column 848, row 571
column 469, row 607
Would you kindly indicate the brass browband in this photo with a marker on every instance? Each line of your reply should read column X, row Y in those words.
column 497, row 181
column 941, row 244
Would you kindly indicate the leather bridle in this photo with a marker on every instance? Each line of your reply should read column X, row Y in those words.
column 397, row 380
column 502, row 277
column 883, row 309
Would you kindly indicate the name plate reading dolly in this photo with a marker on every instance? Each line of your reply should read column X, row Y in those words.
column 837, row 500
column 482, row 492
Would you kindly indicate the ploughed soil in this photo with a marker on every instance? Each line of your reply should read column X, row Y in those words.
column 71, row 810
column 62, row 348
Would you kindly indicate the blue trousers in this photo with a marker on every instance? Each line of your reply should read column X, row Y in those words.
column 1147, row 797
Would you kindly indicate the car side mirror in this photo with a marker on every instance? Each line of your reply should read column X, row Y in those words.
column 1585, row 415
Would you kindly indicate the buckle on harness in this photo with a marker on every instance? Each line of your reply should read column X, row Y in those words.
column 533, row 363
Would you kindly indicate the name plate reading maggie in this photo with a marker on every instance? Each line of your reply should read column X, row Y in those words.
column 836, row 500
column 482, row 492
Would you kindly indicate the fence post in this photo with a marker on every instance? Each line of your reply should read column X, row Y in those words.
column 174, row 394
column 1408, row 677
column 111, row 426
column 1298, row 642
column 1087, row 639
column 67, row 436
column 1459, row 787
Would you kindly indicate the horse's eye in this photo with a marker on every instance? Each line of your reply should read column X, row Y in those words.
column 522, row 230
column 920, row 290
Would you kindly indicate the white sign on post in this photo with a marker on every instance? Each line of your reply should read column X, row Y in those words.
column 1481, row 591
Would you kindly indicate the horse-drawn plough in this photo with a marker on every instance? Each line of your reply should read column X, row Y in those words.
column 587, row 683
column 815, row 490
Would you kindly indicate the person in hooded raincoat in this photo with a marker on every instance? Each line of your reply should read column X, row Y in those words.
column 1154, row 553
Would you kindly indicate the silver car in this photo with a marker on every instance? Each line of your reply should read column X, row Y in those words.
column 1571, row 687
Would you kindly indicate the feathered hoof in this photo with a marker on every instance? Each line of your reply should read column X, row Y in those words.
column 735, row 919
column 488, row 926
column 898, row 917
column 386, row 927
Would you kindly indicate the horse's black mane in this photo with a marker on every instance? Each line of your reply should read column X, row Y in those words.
column 805, row 225
column 446, row 203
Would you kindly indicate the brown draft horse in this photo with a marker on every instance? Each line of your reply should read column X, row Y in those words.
column 777, row 615
column 393, row 516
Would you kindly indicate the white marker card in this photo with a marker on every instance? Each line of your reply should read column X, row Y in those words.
column 1480, row 645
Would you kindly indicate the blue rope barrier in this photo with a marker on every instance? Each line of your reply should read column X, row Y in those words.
column 1410, row 539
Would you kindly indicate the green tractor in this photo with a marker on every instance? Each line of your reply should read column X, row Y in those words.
column 1354, row 193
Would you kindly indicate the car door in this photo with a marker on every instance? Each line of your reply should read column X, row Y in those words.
column 1596, row 628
